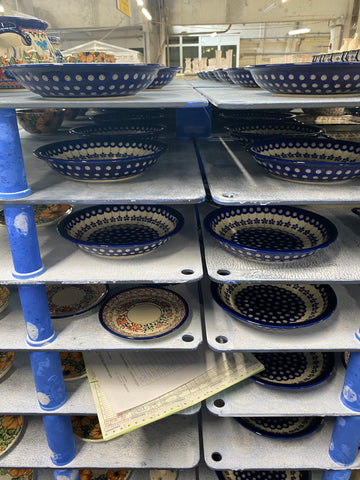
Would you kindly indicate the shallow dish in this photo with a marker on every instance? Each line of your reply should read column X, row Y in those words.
column 294, row 369
column 101, row 158
column 4, row 297
column 87, row 427
column 308, row 78
column 84, row 80
column 71, row 300
column 263, row 475
column 6, row 360
column 100, row 474
column 164, row 76
column 72, row 365
column 121, row 231
column 46, row 214
column 17, row 474
column 242, row 77
column 280, row 427
column 270, row 233
column 309, row 160
column 276, row 306
column 130, row 130
column 11, row 427
column 143, row 313
column 223, row 76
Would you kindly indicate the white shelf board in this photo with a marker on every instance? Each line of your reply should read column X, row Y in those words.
column 243, row 181
column 136, row 474
column 339, row 262
column 241, row 449
column 175, row 178
column 250, row 399
column 85, row 332
column 156, row 445
column 65, row 262
column 225, row 333
column 236, row 97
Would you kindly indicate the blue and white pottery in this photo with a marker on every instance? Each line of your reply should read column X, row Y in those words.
column 223, row 76
column 121, row 231
column 270, row 233
column 129, row 130
column 280, row 427
column 309, row 160
column 242, row 77
column 101, row 159
column 84, row 80
column 292, row 370
column 258, row 116
column 263, row 475
column 356, row 210
column 276, row 306
column 165, row 76
column 316, row 78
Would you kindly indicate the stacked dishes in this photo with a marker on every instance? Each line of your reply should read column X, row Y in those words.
column 242, row 77
column 164, row 76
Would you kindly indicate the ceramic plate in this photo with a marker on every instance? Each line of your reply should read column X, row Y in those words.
column 11, row 427
column 263, row 475
column 87, row 427
column 99, row 474
column 69, row 300
column 4, row 297
column 144, row 313
column 46, row 214
column 17, row 474
column 294, row 369
column 163, row 474
column 73, row 366
column 6, row 360
column 280, row 427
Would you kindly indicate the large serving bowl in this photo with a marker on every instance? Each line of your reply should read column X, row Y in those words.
column 276, row 305
column 101, row 159
column 41, row 120
column 129, row 130
column 84, row 80
column 121, row 231
column 310, row 160
column 308, row 78
column 242, row 77
column 270, row 233
column 164, row 76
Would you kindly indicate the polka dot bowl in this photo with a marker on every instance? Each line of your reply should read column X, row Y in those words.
column 308, row 78
column 309, row 160
column 130, row 130
column 121, row 231
column 241, row 77
column 84, row 80
column 165, row 76
column 270, row 233
column 101, row 158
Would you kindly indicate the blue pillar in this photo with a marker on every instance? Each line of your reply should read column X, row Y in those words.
column 66, row 475
column 336, row 475
column 193, row 122
column 350, row 395
column 345, row 440
column 60, row 438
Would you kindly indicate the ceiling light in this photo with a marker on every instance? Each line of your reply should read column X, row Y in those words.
column 140, row 3
column 213, row 34
column 299, row 31
column 284, row 1
column 2, row 9
column 146, row 13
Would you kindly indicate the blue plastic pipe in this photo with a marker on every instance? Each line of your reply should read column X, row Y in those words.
column 345, row 440
column 66, row 475
column 60, row 438
column 24, row 245
column 336, row 475
column 13, row 183
column 350, row 394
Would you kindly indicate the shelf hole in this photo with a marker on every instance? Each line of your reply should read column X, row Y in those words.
column 187, row 338
column 219, row 402
column 223, row 273
column 187, row 271
column 216, row 456
column 229, row 195
column 221, row 339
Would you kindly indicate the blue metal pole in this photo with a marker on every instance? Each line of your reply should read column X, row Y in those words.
column 345, row 440
column 350, row 395
column 13, row 183
column 336, row 475
column 66, row 475
column 60, row 438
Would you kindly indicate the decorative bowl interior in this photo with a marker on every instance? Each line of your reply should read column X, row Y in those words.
column 164, row 76
column 276, row 305
column 101, row 158
column 304, row 159
column 242, row 77
column 120, row 231
column 129, row 130
column 270, row 233
column 84, row 80
column 308, row 78
column 281, row 427
column 40, row 121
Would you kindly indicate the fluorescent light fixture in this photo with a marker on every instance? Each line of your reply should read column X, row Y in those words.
column 2, row 9
column 146, row 13
column 299, row 31
column 284, row 1
column 140, row 3
column 213, row 34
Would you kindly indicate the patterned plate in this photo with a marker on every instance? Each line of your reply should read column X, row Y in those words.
column 280, row 427
column 6, row 360
column 163, row 474
column 11, row 427
column 144, row 312
column 263, row 475
column 4, row 297
column 87, row 427
column 276, row 305
column 73, row 365
column 17, row 474
column 46, row 214
column 294, row 369
column 100, row 474
column 69, row 300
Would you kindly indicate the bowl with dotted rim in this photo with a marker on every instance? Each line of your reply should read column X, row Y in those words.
column 84, row 80
column 270, row 233
column 281, row 427
column 164, row 76
column 263, row 475
column 241, row 77
column 309, row 160
column 335, row 78
column 121, row 231
column 101, row 158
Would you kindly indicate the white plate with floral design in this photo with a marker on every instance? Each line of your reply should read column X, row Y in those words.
column 11, row 427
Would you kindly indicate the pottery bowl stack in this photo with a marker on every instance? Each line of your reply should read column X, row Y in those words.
column 242, row 77
column 165, row 76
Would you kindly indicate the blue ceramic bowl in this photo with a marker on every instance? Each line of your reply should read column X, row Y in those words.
column 129, row 130
column 164, row 77
column 328, row 78
column 120, row 231
column 242, row 77
column 270, row 233
column 84, row 80
column 281, row 427
column 223, row 76
column 101, row 159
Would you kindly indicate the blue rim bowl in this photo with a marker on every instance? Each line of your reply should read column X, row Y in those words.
column 164, row 76
column 242, row 77
column 128, row 130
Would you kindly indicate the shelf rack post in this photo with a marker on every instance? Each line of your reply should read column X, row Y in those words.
column 336, row 475
column 345, row 440
column 60, row 439
column 67, row 475
column 350, row 394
